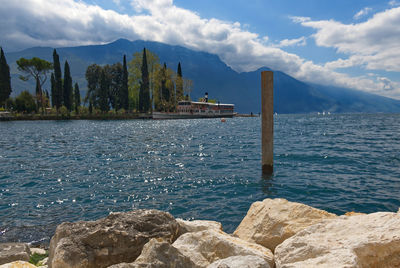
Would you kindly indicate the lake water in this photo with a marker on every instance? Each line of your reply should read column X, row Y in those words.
column 56, row 171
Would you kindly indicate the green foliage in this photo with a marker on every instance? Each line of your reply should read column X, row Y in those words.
column 179, row 84
column 64, row 112
column 93, row 73
column 82, row 110
column 103, row 92
column 5, row 79
column 144, row 93
column 10, row 104
column 37, row 69
column 25, row 103
column 124, row 94
column 77, row 98
column 67, row 87
column 135, row 77
column 57, row 94
column 35, row 258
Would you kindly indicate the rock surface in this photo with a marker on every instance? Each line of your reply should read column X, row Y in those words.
column 117, row 238
column 240, row 262
column 158, row 253
column 208, row 246
column 371, row 240
column 10, row 252
column 18, row 264
column 199, row 225
column 271, row 221
column 39, row 251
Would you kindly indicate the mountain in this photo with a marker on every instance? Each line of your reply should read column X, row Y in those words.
column 211, row 75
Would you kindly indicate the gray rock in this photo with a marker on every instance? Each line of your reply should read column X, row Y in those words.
column 115, row 239
column 10, row 252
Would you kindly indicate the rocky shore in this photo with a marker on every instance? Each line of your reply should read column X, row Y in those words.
column 274, row 233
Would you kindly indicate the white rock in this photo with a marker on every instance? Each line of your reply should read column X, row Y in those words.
column 271, row 221
column 39, row 251
column 240, row 262
column 18, row 264
column 208, row 246
column 199, row 225
column 371, row 240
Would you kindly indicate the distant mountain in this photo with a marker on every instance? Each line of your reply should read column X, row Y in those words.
column 211, row 75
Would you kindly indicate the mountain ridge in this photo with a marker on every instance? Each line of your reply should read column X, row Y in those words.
column 210, row 74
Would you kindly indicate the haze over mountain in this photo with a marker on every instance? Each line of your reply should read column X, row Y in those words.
column 211, row 75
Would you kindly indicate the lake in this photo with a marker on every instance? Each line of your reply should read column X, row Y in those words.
column 56, row 171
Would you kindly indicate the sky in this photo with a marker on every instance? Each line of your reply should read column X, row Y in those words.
column 344, row 43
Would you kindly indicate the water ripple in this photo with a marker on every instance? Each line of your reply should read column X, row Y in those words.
column 56, row 171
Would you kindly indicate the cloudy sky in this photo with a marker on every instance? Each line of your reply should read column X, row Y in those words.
column 345, row 43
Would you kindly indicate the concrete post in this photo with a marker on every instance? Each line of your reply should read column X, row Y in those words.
column 267, row 121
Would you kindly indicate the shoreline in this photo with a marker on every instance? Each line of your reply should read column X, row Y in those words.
column 274, row 233
column 127, row 116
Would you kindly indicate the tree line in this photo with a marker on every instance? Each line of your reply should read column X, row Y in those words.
column 142, row 85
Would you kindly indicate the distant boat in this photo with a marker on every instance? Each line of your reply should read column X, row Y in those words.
column 194, row 109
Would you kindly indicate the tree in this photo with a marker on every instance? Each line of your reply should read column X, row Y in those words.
column 67, row 87
column 103, row 92
column 124, row 94
column 135, row 76
column 53, row 90
column 25, row 102
column 144, row 95
column 114, row 76
column 58, row 88
column 37, row 69
column 93, row 73
column 179, row 84
column 77, row 97
column 5, row 79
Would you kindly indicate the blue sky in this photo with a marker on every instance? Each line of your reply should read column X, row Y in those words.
column 346, row 43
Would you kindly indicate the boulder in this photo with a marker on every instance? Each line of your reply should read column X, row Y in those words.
column 240, row 262
column 39, row 251
column 18, row 264
column 208, row 246
column 158, row 253
column 10, row 252
column 198, row 225
column 371, row 240
column 117, row 238
column 271, row 221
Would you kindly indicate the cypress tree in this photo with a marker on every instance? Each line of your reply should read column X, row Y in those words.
column 179, row 84
column 5, row 79
column 164, row 88
column 145, row 86
column 67, row 89
column 124, row 98
column 58, row 88
column 77, row 97
column 52, row 90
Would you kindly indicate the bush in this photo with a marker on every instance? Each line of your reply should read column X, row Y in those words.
column 64, row 111
column 82, row 110
column 25, row 103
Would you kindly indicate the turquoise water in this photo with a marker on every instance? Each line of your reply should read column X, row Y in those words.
column 56, row 171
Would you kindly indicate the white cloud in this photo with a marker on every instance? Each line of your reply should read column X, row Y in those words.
column 374, row 43
column 69, row 23
column 394, row 3
column 363, row 12
column 292, row 42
